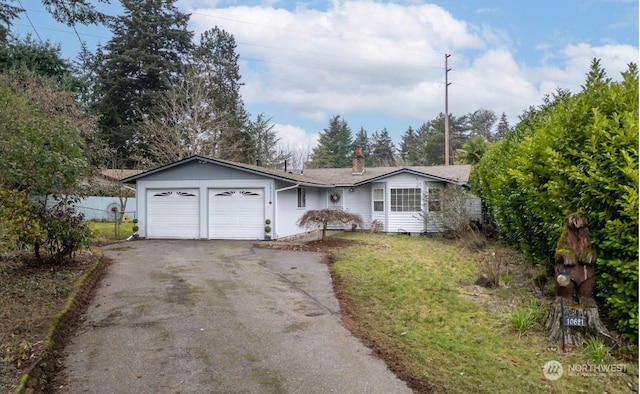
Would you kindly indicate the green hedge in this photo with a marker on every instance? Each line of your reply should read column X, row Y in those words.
column 576, row 153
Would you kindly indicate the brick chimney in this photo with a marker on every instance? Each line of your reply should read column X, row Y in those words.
column 357, row 167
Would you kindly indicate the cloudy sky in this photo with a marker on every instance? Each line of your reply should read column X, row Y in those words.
column 382, row 63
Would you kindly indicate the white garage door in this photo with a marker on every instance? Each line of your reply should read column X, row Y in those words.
column 173, row 213
column 236, row 213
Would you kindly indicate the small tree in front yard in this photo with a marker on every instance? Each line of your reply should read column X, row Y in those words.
column 451, row 212
column 324, row 217
column 41, row 162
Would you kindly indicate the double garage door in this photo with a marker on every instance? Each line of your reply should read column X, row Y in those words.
column 232, row 214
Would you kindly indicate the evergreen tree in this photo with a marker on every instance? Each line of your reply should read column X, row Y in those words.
column 73, row 12
column 38, row 58
column 362, row 140
column 481, row 123
column 141, row 61
column 321, row 157
column 418, row 155
column 215, row 59
column 458, row 133
column 433, row 149
column 382, row 149
column 334, row 146
column 502, row 129
column 407, row 145
column 414, row 144
column 265, row 142
column 7, row 14
column 69, row 12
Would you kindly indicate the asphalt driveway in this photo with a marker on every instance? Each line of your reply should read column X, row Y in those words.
column 218, row 317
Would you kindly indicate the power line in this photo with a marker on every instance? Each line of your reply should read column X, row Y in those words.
column 62, row 31
column 29, row 19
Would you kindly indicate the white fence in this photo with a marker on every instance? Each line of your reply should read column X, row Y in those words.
column 100, row 208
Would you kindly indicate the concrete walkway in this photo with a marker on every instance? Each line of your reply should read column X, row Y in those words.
column 218, row 317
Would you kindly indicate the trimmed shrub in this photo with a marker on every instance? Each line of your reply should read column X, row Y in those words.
column 576, row 153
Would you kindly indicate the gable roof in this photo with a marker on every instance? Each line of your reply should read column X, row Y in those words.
column 326, row 177
column 343, row 176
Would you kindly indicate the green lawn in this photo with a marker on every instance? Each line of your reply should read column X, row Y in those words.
column 414, row 297
column 105, row 232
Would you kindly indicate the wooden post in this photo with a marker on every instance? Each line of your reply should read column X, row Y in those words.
column 575, row 334
column 574, row 317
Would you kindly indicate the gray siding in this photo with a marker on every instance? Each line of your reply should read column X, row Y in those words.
column 201, row 172
column 359, row 202
column 287, row 211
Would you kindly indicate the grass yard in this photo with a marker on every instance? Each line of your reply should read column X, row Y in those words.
column 414, row 300
column 105, row 232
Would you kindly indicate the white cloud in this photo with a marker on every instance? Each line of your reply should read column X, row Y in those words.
column 356, row 56
column 293, row 137
column 387, row 60
column 614, row 58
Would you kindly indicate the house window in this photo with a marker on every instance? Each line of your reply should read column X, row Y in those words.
column 435, row 199
column 302, row 197
column 405, row 200
column 378, row 200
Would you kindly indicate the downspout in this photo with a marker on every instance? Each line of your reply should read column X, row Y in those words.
column 275, row 207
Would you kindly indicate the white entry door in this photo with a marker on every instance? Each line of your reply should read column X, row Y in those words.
column 236, row 214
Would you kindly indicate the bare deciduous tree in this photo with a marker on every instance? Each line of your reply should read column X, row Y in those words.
column 453, row 214
column 296, row 156
column 186, row 123
column 324, row 217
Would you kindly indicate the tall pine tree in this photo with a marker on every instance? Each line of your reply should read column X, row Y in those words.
column 502, row 129
column 334, row 148
column 215, row 59
column 407, row 142
column 481, row 123
column 382, row 149
column 265, row 142
column 362, row 140
column 144, row 57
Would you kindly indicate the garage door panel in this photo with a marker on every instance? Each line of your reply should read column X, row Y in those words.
column 173, row 214
column 236, row 213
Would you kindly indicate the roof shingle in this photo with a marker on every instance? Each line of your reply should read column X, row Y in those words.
column 322, row 177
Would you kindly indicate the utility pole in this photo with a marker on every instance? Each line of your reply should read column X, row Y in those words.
column 446, row 108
